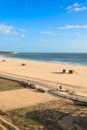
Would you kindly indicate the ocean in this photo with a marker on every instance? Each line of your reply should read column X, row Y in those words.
column 65, row 58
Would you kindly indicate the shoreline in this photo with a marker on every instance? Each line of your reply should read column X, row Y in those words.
column 43, row 61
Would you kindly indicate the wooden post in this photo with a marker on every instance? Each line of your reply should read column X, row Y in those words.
column 64, row 70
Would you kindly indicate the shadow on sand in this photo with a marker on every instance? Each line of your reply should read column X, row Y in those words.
column 57, row 72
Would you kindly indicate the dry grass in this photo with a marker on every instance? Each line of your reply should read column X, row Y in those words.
column 6, row 85
column 54, row 115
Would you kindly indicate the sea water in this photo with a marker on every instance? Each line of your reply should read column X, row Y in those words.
column 65, row 58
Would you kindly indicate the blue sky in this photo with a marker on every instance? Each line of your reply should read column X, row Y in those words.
column 43, row 25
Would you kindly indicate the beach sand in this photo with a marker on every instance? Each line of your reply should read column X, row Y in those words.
column 46, row 71
column 22, row 98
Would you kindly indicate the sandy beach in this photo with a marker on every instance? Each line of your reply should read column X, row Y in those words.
column 44, row 72
column 48, row 71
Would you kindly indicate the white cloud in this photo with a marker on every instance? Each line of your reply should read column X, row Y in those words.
column 5, row 29
column 22, row 30
column 76, row 7
column 15, row 33
column 47, row 32
column 73, row 27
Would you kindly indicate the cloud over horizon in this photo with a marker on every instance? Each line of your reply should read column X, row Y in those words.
column 22, row 30
column 5, row 29
column 73, row 27
column 47, row 32
column 76, row 7
column 10, row 30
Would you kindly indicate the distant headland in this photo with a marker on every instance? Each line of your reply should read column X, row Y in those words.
column 7, row 52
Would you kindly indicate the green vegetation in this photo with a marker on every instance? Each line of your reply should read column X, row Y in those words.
column 6, row 85
column 54, row 115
